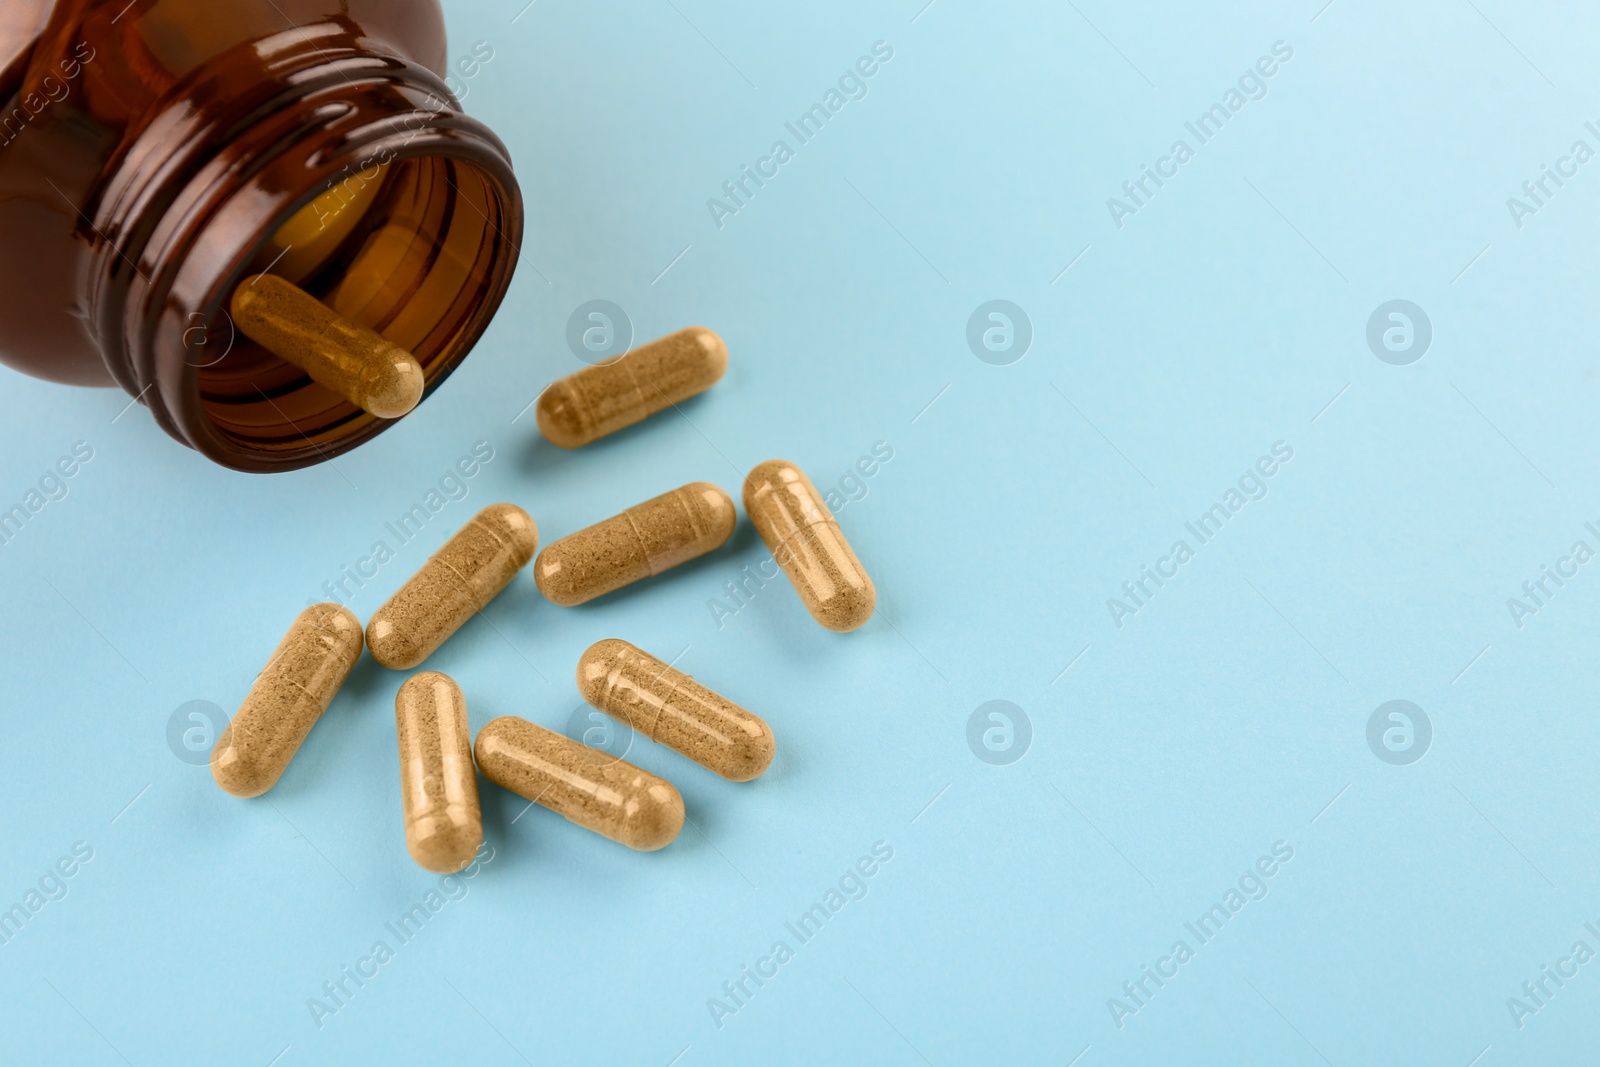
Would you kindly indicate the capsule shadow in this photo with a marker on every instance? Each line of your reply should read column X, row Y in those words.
column 501, row 808
column 538, row 457
column 520, row 611
column 365, row 680
column 340, row 741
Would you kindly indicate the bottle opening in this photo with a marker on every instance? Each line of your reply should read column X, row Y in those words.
column 417, row 249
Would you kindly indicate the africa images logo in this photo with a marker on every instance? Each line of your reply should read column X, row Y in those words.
column 1399, row 733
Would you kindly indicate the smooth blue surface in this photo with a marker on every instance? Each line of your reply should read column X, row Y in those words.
column 1227, row 716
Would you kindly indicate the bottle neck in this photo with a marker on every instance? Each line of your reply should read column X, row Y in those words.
column 368, row 155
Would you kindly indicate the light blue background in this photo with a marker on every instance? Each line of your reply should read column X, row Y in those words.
column 1230, row 713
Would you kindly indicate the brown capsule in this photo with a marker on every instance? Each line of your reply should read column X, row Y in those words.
column 602, row 399
column 645, row 540
column 806, row 542
column 289, row 696
column 438, row 782
column 598, row 792
column 672, row 709
column 462, row 577
column 364, row 367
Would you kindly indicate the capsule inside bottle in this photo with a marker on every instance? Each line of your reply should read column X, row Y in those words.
column 671, row 708
column 643, row 541
column 798, row 529
column 602, row 399
column 373, row 373
column 458, row 580
column 312, row 236
column 288, row 697
column 598, row 792
column 438, row 781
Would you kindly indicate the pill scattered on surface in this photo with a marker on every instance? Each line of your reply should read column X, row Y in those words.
column 288, row 697
column 461, row 578
column 800, row 532
column 373, row 373
column 602, row 399
column 672, row 709
column 438, row 781
column 584, row 785
column 643, row 541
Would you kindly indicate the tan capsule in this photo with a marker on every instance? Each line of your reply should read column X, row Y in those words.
column 645, row 540
column 289, row 696
column 598, row 792
column 672, row 709
column 438, row 782
column 467, row 572
column 373, row 373
column 602, row 399
column 807, row 543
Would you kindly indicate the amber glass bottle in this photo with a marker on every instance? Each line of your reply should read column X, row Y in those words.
column 155, row 152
